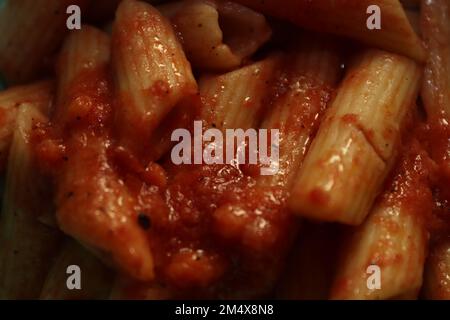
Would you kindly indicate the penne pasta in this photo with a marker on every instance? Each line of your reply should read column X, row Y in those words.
column 225, row 149
column 31, row 31
column 310, row 74
column 27, row 246
column 93, row 204
column 237, row 99
column 75, row 59
column 2, row 82
column 350, row 20
column 152, row 74
column 95, row 281
column 437, row 272
column 435, row 24
column 411, row 4
column 293, row 97
column 394, row 237
column 356, row 143
column 217, row 35
column 38, row 94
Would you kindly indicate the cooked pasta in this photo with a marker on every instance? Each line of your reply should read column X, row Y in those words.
column 437, row 272
column 152, row 73
column 26, row 244
column 96, row 280
column 395, row 33
column 92, row 200
column 357, row 141
column 217, row 35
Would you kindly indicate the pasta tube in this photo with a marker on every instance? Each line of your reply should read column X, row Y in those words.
column 394, row 237
column 357, row 141
column 217, row 35
column 310, row 74
column 349, row 19
column 435, row 24
column 27, row 246
column 125, row 288
column 74, row 59
column 95, row 281
column 93, row 204
column 31, row 31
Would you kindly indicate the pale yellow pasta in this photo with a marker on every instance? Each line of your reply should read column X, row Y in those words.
column 310, row 72
column 31, row 31
column 237, row 99
column 95, row 278
column 340, row 182
column 27, row 246
column 38, row 93
column 356, row 143
column 150, row 69
column 310, row 268
column 217, row 35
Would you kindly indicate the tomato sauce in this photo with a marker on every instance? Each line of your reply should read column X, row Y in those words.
column 212, row 231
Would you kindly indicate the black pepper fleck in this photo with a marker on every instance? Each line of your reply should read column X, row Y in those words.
column 144, row 221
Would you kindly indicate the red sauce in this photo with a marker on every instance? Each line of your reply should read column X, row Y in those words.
column 212, row 231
